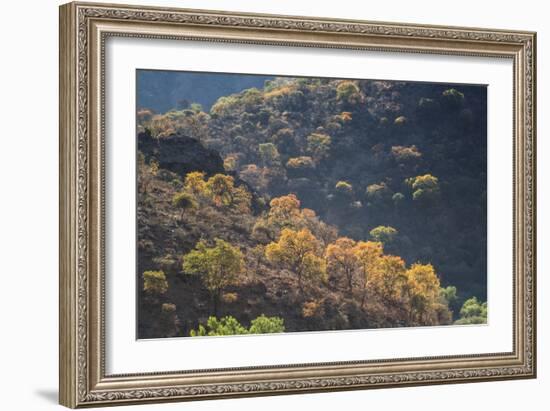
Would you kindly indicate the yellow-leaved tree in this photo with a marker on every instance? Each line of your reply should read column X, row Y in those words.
column 368, row 254
column 388, row 279
column 423, row 289
column 301, row 253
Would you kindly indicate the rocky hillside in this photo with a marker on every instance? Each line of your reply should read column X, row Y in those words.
column 398, row 164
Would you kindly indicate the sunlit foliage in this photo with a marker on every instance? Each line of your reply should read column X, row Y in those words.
column 473, row 312
column 383, row 234
column 218, row 266
column 154, row 282
column 229, row 325
column 301, row 253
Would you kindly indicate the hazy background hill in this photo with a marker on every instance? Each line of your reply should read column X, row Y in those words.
column 162, row 90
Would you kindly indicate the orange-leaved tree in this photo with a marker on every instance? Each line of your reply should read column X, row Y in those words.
column 342, row 260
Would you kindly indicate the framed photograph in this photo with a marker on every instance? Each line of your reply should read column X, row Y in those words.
column 259, row 204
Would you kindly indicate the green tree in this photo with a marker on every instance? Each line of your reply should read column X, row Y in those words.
column 301, row 253
column 266, row 325
column 229, row 325
column 473, row 312
column 224, row 326
column 383, row 234
column 218, row 266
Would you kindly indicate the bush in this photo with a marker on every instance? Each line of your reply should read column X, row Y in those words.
column 154, row 282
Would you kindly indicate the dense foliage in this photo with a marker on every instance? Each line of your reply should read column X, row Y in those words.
column 340, row 204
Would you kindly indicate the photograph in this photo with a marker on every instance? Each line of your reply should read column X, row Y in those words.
column 277, row 204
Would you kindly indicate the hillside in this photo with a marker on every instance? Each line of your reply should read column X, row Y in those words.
column 394, row 170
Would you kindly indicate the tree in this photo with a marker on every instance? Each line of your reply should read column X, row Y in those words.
column 343, row 260
column 388, row 278
column 154, row 283
column 219, row 266
column 269, row 154
column 318, row 144
column 266, row 325
column 473, row 312
column 368, row 254
column 225, row 326
column 423, row 288
column 425, row 188
column 348, row 92
column 184, row 201
column 222, row 191
column 300, row 166
column 299, row 252
column 194, row 183
column 383, row 234
column 229, row 325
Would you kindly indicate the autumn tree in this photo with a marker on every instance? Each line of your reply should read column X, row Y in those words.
column 218, row 266
column 423, row 290
column 343, row 261
column 368, row 254
column 195, row 183
column 301, row 253
column 388, row 278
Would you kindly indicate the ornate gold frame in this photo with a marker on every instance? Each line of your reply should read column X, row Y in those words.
column 83, row 30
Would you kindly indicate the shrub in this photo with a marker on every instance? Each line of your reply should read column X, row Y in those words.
column 154, row 282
